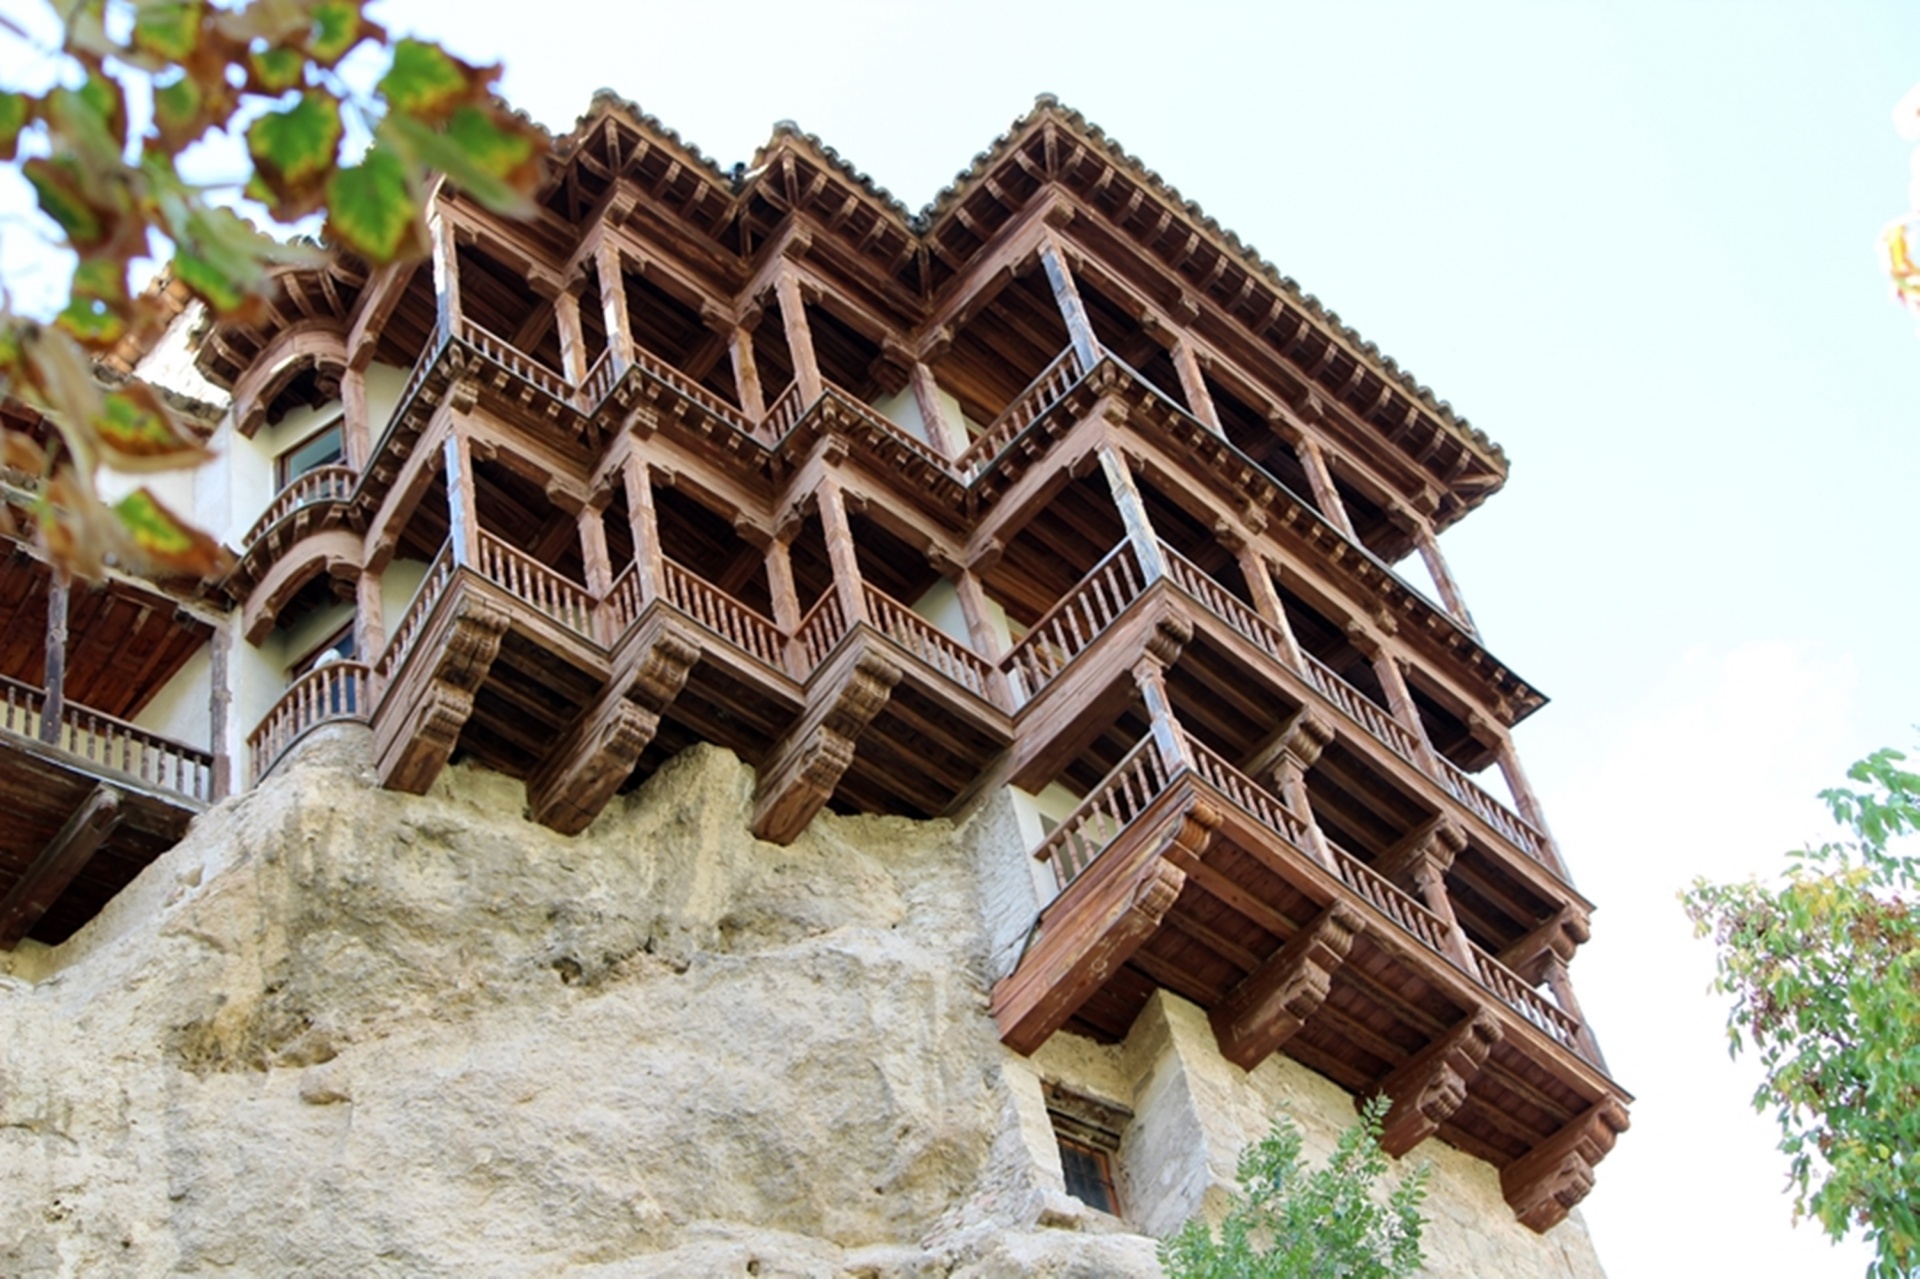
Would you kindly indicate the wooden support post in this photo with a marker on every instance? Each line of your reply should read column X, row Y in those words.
column 53, row 707
column 1430, row 1087
column 1133, row 513
column 1393, row 681
column 1320, row 479
column 1086, row 347
column 643, row 525
column 1273, row 1002
column 65, row 855
column 357, row 437
column 219, row 707
column 463, row 517
column 573, row 339
column 595, row 561
column 1193, row 384
column 1266, row 600
column 446, row 276
column 746, row 375
column 786, row 600
column 946, row 437
column 1429, row 864
column 1509, row 761
column 1561, row 984
column 1298, row 750
column 369, row 619
column 613, row 303
column 973, row 606
column 793, row 315
column 1543, row 1185
column 840, row 551
column 1442, row 577
column 1151, row 679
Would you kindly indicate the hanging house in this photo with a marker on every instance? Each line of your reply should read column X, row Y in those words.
column 1055, row 486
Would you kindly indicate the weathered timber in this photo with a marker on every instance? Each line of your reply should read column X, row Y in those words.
column 1272, row 1003
column 802, row 771
column 58, row 863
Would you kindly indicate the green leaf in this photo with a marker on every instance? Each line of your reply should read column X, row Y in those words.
column 166, row 542
column 470, row 170
column 293, row 152
column 372, row 207
column 169, row 29
column 136, row 432
column 425, row 80
column 177, row 109
column 57, row 185
column 273, row 71
column 16, row 113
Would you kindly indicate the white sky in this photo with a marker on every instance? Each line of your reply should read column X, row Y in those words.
column 1631, row 242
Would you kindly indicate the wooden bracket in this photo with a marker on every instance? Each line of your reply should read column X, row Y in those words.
column 1543, row 1185
column 64, row 857
column 805, row 766
column 1432, row 1085
column 1274, row 1001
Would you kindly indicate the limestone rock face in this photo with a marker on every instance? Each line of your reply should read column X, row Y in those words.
column 344, row 1031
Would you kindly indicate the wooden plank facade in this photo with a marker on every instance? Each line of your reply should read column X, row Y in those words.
column 1055, row 484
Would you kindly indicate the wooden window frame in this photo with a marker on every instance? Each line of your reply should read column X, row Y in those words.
column 337, row 422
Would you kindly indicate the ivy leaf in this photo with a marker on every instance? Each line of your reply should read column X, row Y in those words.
column 496, row 166
column 338, row 25
column 163, row 542
column 293, row 152
column 168, row 29
column 16, row 113
column 137, row 432
column 426, row 81
column 372, row 207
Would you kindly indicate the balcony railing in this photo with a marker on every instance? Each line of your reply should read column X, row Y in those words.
column 321, row 484
column 1040, row 395
column 1218, row 600
column 1142, row 776
column 819, row 631
column 725, row 616
column 536, row 585
column 1066, row 629
column 104, row 741
column 336, row 692
column 929, row 643
column 414, row 621
column 515, row 361
column 783, row 414
column 1362, row 710
column 1493, row 812
column 622, row 604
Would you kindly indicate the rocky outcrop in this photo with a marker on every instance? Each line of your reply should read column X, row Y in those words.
column 340, row 1030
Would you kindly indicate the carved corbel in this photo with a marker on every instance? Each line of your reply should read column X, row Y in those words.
column 1272, row 1003
column 1543, row 1185
column 463, row 395
column 1431, row 1086
column 804, row 768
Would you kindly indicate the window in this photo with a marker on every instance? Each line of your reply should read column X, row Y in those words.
column 325, row 447
column 1088, row 1132
column 341, row 696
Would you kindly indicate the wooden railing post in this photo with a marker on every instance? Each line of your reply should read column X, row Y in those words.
column 946, row 437
column 357, row 437
column 1561, row 984
column 1193, row 384
column 1067, row 297
column 1133, row 513
column 793, row 315
column 1150, row 677
column 1437, row 569
column 573, row 339
column 1319, row 477
column 219, row 708
column 446, row 275
column 840, row 551
column 370, row 624
column 613, row 304
column 53, row 706
column 1400, row 703
column 1266, row 597
column 1522, row 791
column 463, row 517
column 645, row 527
column 746, row 375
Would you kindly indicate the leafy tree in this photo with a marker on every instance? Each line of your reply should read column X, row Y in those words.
column 1824, row 968
column 1289, row 1223
column 136, row 84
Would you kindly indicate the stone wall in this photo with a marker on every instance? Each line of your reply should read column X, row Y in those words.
column 345, row 1031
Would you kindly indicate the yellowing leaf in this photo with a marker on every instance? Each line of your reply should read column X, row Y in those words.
column 161, row 541
column 293, row 152
column 137, row 432
column 57, row 185
column 372, row 208
column 169, row 29
column 338, row 25
column 274, row 71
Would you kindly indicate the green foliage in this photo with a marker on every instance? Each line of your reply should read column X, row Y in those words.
column 1824, row 968
column 266, row 68
column 1289, row 1223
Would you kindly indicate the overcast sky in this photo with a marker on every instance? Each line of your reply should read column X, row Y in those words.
column 1633, row 243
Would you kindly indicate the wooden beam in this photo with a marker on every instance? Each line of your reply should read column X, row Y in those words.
column 1272, row 1003
column 599, row 749
column 1543, row 1185
column 803, row 769
column 1428, row 1089
column 1072, row 310
column 65, row 855
column 54, row 706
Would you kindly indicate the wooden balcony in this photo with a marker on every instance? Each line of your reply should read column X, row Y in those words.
column 335, row 693
column 91, row 801
column 1178, row 871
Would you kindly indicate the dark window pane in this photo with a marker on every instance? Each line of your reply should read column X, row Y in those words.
column 1087, row 1178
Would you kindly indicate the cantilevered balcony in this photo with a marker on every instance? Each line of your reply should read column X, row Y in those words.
column 1179, row 871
